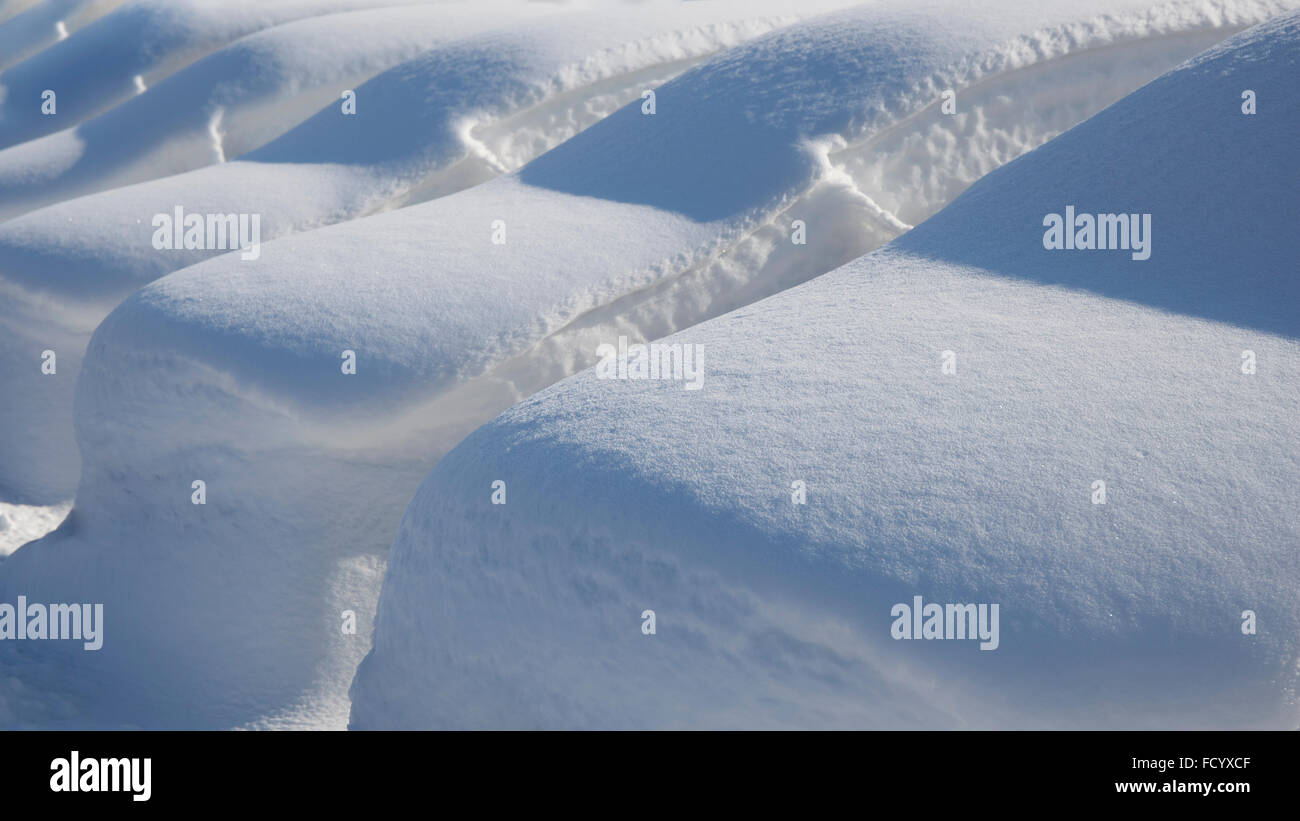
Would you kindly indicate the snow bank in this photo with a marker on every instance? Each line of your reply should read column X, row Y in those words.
column 96, row 68
column 229, row 372
column 225, row 104
column 972, row 486
column 301, row 666
column 25, row 31
column 454, row 116
column 853, row 142
column 10, row 8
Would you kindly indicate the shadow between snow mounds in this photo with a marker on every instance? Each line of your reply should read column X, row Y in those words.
column 1184, row 153
column 714, row 150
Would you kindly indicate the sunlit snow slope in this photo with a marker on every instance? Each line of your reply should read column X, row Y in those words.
column 497, row 92
column 842, row 129
column 96, row 66
column 975, row 485
column 235, row 372
column 227, row 103
column 28, row 26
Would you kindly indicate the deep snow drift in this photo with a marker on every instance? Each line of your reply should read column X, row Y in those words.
column 500, row 90
column 227, row 103
column 844, row 131
column 299, row 667
column 229, row 372
column 97, row 66
column 969, row 486
column 27, row 30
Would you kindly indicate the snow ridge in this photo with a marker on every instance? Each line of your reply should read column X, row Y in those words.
column 976, row 485
column 228, row 371
column 407, row 145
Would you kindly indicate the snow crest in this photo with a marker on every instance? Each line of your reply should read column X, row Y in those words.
column 458, row 290
column 1136, row 608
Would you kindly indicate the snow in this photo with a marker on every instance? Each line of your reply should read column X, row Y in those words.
column 857, row 147
column 378, row 243
column 20, row 524
column 291, row 681
column 495, row 89
column 95, row 67
column 974, row 486
column 225, row 104
column 26, row 31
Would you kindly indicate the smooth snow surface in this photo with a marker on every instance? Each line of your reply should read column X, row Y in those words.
column 968, row 487
column 500, row 205
column 25, row 31
column 836, row 124
column 94, row 68
column 552, row 81
column 494, row 94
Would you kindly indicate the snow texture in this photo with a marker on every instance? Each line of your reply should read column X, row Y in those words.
column 855, row 142
column 501, row 204
column 26, row 31
column 460, row 113
column 973, row 486
column 94, row 68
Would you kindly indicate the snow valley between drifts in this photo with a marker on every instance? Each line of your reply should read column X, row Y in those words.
column 1105, row 449
column 516, row 205
column 492, row 89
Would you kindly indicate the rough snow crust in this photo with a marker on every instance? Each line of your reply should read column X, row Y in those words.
column 975, row 486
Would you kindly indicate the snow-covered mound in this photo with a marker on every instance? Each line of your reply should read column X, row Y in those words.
column 1166, row 370
column 27, row 30
column 9, row 8
column 239, row 373
column 322, row 662
column 455, row 116
column 227, row 103
column 96, row 67
column 853, row 141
